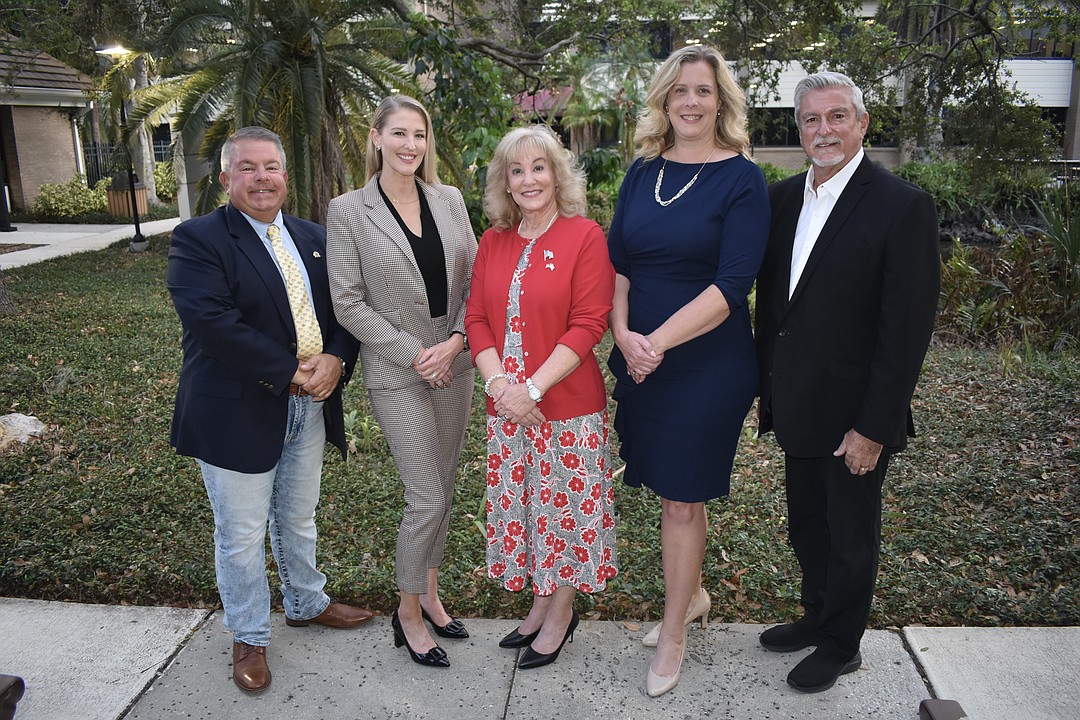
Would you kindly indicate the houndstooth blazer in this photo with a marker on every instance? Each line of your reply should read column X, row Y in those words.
column 376, row 285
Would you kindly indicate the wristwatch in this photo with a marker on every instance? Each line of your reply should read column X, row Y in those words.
column 534, row 392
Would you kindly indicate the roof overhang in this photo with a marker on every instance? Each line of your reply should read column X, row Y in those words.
column 44, row 97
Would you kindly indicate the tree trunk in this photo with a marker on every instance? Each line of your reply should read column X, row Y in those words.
column 143, row 156
column 7, row 303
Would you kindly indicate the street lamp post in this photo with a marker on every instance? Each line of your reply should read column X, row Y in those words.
column 138, row 243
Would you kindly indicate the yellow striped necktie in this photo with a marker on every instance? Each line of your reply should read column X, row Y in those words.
column 308, row 334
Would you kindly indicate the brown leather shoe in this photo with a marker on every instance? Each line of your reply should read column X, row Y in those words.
column 336, row 615
column 249, row 669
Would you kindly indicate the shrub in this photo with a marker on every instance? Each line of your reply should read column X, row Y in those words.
column 73, row 198
column 1027, row 288
column 775, row 173
column 165, row 181
column 966, row 192
column 947, row 184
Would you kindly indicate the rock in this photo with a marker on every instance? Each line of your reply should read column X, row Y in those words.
column 19, row 428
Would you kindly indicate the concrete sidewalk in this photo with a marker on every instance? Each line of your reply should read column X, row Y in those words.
column 105, row 662
column 49, row 240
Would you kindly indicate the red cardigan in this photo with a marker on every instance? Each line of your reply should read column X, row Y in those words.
column 566, row 298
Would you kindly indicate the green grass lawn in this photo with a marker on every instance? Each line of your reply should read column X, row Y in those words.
column 981, row 511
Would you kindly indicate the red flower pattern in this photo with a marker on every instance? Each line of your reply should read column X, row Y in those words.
column 517, row 475
column 575, row 547
column 531, row 476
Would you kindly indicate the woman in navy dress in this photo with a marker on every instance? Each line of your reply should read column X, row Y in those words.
column 686, row 241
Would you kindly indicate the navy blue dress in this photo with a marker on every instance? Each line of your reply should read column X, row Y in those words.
column 680, row 427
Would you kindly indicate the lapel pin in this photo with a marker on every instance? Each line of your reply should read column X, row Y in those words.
column 316, row 254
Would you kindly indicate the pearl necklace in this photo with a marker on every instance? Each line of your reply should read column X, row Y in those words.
column 687, row 186
column 546, row 227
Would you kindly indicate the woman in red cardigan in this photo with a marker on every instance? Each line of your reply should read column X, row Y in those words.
column 541, row 292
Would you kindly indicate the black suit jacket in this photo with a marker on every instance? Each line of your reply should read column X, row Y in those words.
column 846, row 350
column 240, row 342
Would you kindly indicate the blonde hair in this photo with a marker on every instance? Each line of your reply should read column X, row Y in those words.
column 499, row 205
column 390, row 105
column 654, row 134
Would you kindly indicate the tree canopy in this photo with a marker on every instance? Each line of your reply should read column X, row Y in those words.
column 313, row 69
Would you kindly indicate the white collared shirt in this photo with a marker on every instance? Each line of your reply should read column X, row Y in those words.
column 816, row 208
column 286, row 239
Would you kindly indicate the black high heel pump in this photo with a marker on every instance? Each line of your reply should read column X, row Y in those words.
column 532, row 659
column 453, row 629
column 517, row 640
column 435, row 657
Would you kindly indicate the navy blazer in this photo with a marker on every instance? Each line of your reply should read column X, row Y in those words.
column 846, row 350
column 240, row 342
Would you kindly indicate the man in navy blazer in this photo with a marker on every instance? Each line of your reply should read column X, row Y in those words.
column 253, row 414
column 846, row 299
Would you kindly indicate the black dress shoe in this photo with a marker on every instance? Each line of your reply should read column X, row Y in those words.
column 532, row 659
column 435, row 657
column 788, row 637
column 819, row 670
column 517, row 640
column 12, row 688
column 453, row 629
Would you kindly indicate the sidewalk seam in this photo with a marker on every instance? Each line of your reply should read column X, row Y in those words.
column 165, row 665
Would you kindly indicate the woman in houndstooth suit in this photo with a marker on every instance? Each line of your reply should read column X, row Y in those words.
column 400, row 253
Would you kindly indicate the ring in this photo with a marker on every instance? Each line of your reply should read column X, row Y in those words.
column 863, row 467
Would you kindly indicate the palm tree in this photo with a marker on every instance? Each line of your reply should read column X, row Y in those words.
column 311, row 70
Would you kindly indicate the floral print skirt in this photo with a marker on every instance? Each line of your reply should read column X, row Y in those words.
column 550, row 504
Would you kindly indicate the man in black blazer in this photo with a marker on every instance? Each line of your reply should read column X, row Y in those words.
column 846, row 300
column 256, row 401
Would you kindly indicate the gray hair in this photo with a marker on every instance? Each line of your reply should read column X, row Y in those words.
column 252, row 132
column 823, row 80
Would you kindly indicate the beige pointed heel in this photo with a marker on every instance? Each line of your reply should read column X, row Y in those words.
column 657, row 685
column 699, row 609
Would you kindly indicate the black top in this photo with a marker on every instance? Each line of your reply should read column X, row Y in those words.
column 428, row 250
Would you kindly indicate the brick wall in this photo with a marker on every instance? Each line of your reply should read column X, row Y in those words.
column 45, row 151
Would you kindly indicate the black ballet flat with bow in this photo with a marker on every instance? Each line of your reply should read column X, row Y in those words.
column 453, row 629
column 532, row 659
column 435, row 657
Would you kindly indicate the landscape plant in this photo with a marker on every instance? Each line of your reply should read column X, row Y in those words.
column 61, row 201
column 165, row 179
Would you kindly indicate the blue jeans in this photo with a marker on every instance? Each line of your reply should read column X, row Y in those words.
column 285, row 496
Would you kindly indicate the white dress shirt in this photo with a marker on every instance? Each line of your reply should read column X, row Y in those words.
column 816, row 208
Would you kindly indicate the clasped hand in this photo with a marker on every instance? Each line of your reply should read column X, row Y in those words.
column 319, row 375
column 641, row 357
column 433, row 363
column 512, row 402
